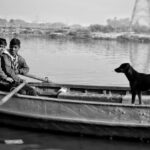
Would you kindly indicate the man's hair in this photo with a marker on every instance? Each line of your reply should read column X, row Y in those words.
column 15, row 41
column 3, row 42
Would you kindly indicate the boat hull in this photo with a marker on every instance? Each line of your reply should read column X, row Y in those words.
column 75, row 127
column 77, row 116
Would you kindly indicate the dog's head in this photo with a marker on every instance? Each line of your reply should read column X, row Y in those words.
column 123, row 68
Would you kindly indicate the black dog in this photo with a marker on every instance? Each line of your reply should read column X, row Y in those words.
column 138, row 81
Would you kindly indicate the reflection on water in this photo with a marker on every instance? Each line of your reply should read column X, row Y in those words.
column 140, row 57
column 47, row 141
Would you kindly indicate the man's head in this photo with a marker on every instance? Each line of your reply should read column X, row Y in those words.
column 14, row 46
column 3, row 44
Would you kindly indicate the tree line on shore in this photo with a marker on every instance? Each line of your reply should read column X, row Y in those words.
column 58, row 29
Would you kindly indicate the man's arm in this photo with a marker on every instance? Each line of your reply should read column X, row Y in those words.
column 23, row 68
column 6, row 66
column 3, row 76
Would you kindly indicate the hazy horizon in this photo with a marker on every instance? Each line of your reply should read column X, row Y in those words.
column 84, row 12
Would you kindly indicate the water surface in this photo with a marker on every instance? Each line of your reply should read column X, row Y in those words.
column 48, row 141
column 84, row 62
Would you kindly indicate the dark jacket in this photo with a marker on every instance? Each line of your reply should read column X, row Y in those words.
column 3, row 76
column 6, row 64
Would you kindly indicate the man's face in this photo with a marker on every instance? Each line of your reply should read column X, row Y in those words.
column 2, row 47
column 14, row 49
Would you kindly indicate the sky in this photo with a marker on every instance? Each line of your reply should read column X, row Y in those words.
column 84, row 12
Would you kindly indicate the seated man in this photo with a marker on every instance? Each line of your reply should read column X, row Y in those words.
column 5, row 81
column 13, row 64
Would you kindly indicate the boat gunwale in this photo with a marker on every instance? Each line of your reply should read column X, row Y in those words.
column 43, row 98
column 78, row 86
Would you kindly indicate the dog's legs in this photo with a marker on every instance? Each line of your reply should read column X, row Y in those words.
column 133, row 96
column 139, row 96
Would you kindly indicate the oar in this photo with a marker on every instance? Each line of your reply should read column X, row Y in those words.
column 62, row 89
column 13, row 92
column 37, row 78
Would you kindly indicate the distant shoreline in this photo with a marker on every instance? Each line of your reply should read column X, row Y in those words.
column 121, row 37
column 74, row 33
column 115, row 29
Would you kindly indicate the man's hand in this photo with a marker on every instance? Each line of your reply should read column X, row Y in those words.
column 9, row 79
column 22, row 80
column 16, row 71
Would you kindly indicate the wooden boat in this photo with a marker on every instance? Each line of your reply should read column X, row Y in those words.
column 91, row 110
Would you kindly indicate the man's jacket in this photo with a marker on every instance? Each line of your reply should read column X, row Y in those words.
column 12, row 68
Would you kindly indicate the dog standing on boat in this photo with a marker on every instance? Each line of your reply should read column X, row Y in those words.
column 138, row 81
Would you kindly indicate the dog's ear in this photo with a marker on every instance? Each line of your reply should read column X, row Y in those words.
column 124, row 67
column 127, row 67
column 130, row 70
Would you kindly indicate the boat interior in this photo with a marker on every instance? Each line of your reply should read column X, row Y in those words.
column 111, row 94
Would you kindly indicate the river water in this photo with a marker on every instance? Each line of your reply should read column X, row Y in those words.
column 84, row 62
column 89, row 62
